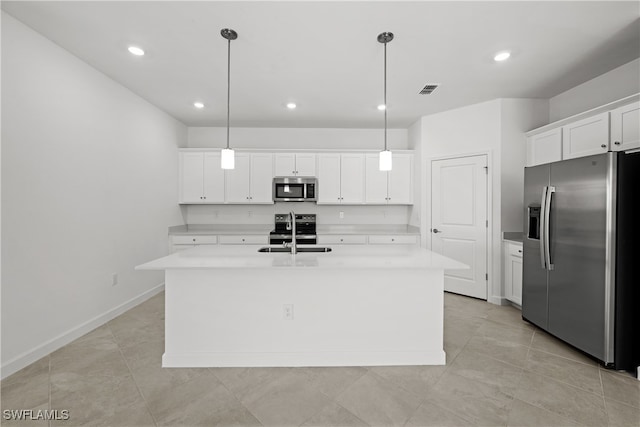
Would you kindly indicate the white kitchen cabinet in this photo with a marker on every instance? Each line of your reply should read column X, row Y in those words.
column 251, row 180
column 342, row 239
column 341, row 178
column 393, row 239
column 625, row 127
column 182, row 242
column 393, row 187
column 544, row 147
column 243, row 239
column 513, row 271
column 586, row 137
column 295, row 164
column 201, row 178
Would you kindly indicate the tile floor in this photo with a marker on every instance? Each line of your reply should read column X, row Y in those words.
column 500, row 371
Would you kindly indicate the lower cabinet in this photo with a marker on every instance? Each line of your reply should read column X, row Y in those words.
column 243, row 239
column 180, row 243
column 346, row 239
column 392, row 239
column 513, row 271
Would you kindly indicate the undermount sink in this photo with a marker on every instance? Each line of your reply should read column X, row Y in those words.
column 288, row 250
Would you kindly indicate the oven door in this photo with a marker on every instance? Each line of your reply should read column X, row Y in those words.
column 288, row 192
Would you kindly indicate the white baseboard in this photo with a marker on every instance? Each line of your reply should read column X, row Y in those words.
column 498, row 300
column 289, row 359
column 28, row 357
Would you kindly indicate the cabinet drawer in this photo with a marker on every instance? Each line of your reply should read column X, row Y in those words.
column 515, row 249
column 348, row 239
column 393, row 240
column 195, row 240
column 243, row 240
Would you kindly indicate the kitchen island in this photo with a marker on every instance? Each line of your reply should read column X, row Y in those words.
column 355, row 306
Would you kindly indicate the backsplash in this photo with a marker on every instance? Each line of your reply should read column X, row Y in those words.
column 327, row 214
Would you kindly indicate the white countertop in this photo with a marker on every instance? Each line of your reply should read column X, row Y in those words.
column 341, row 257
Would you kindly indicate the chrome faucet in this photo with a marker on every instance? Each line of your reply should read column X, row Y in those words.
column 294, row 246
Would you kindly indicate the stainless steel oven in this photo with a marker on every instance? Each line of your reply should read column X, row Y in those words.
column 305, row 229
column 295, row 189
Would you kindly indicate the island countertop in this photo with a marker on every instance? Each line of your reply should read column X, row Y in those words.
column 341, row 257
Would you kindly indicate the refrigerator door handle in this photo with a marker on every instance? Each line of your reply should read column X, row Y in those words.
column 543, row 204
column 547, row 222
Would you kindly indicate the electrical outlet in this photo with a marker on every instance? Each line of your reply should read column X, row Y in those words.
column 114, row 279
column 341, row 215
column 287, row 311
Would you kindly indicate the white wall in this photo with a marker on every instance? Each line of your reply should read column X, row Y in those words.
column 297, row 138
column 616, row 84
column 517, row 116
column 89, row 187
column 496, row 127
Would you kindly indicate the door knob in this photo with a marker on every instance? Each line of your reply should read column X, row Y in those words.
column 435, row 230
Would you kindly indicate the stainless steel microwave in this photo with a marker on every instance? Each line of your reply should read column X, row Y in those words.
column 295, row 189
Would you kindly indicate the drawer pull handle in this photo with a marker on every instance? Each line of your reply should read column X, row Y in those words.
column 519, row 251
column 194, row 240
column 604, row 146
column 617, row 142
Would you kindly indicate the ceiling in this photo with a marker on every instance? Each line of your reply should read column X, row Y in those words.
column 324, row 56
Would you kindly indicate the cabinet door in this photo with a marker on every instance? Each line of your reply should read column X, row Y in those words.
column 586, row 137
column 191, row 177
column 329, row 178
column 545, row 147
column 306, row 164
column 285, row 164
column 237, row 181
column 213, row 181
column 376, row 191
column 625, row 127
column 513, row 272
column 401, row 180
column 352, row 178
column 261, row 178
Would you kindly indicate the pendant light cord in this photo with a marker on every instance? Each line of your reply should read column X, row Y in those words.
column 228, row 86
column 385, row 96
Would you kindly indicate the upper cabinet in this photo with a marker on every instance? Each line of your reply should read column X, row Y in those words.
column 201, row 178
column 393, row 187
column 612, row 127
column 545, row 147
column 625, row 127
column 250, row 181
column 341, row 178
column 586, row 137
column 295, row 164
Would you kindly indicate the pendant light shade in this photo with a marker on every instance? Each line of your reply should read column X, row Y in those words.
column 385, row 156
column 227, row 155
column 227, row 159
column 385, row 160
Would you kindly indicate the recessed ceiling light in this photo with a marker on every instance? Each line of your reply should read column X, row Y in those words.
column 291, row 106
column 198, row 104
column 501, row 56
column 136, row 51
column 382, row 107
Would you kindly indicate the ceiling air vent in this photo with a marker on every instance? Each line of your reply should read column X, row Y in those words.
column 428, row 89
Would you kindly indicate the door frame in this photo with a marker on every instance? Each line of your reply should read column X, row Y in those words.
column 494, row 283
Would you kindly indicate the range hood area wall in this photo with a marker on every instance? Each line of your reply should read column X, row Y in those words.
column 263, row 214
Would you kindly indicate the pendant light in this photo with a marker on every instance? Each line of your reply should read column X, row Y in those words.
column 385, row 156
column 227, row 157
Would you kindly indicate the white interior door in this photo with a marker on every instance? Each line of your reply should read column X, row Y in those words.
column 459, row 221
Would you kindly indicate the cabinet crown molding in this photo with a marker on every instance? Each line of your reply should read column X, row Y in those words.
column 585, row 114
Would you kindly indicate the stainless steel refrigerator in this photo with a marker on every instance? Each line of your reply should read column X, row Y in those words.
column 581, row 242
